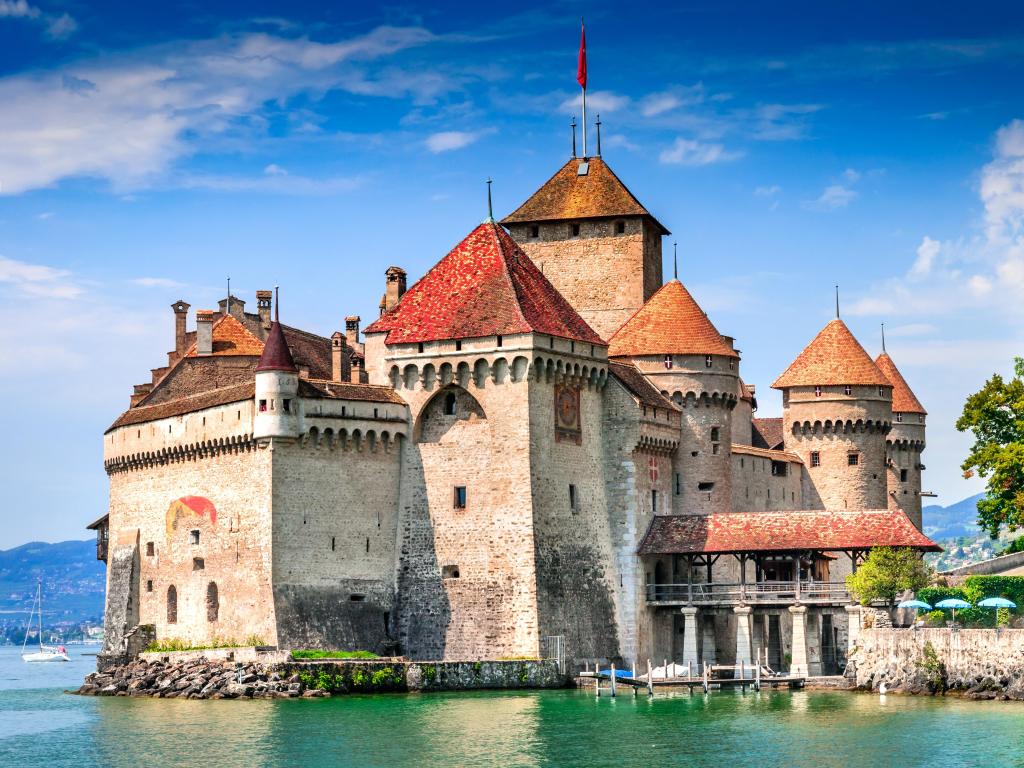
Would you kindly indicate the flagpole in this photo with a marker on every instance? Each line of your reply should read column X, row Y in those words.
column 585, row 123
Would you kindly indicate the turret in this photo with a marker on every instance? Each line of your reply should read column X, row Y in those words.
column 278, row 409
column 672, row 341
column 837, row 411
column 905, row 443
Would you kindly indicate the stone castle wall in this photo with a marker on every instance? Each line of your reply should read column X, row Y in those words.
column 765, row 481
column 904, row 446
column 606, row 276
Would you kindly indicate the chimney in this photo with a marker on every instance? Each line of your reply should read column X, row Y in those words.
column 180, row 308
column 339, row 358
column 204, row 332
column 264, row 303
column 237, row 307
column 352, row 330
column 395, row 287
column 355, row 371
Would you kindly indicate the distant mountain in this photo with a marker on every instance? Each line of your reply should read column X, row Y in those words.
column 952, row 522
column 73, row 582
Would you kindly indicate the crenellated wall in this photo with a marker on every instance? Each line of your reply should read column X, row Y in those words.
column 904, row 446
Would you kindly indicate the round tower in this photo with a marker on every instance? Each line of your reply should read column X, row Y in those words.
column 678, row 349
column 837, row 412
column 905, row 443
column 278, row 410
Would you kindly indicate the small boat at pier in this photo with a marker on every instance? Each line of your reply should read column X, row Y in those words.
column 45, row 653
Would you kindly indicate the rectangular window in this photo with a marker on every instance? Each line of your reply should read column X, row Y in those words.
column 848, row 390
column 853, row 459
column 198, row 564
column 287, row 405
column 149, row 585
column 714, row 448
column 899, row 417
column 780, row 469
column 572, row 497
column 420, row 348
column 654, row 502
column 817, row 391
column 458, row 345
column 449, row 572
column 679, row 484
column 707, row 361
column 574, row 230
column 815, row 459
column 500, row 341
column 903, row 475
column 193, row 537
column 150, row 549
column 706, row 486
column 375, row 413
column 534, row 231
column 881, row 391
column 620, row 227
column 715, row 434
column 263, row 406
column 343, row 409
column 460, row 497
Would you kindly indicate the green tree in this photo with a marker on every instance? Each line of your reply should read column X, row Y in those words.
column 887, row 573
column 995, row 414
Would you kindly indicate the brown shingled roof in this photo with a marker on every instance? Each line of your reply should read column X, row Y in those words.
column 276, row 355
column 568, row 195
column 767, row 433
column 783, row 532
column 230, row 337
column 372, row 393
column 834, row 356
column 903, row 398
column 639, row 385
column 670, row 323
column 181, row 406
column 485, row 286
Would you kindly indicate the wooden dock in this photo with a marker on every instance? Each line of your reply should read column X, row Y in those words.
column 711, row 677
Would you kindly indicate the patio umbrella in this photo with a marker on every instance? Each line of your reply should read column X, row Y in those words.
column 915, row 604
column 952, row 603
column 997, row 603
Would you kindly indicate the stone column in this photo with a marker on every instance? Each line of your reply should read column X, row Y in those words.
column 798, row 665
column 690, row 637
column 853, row 629
column 743, row 637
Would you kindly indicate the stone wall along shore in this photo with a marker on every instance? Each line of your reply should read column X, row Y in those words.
column 197, row 676
column 972, row 663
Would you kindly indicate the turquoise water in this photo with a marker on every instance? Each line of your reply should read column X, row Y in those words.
column 41, row 726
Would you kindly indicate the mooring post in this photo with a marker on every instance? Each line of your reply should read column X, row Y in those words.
column 665, row 667
column 613, row 681
column 650, row 679
column 743, row 672
column 705, row 678
column 757, row 678
column 597, row 683
column 689, row 669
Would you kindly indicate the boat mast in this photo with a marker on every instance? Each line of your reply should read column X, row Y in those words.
column 39, row 593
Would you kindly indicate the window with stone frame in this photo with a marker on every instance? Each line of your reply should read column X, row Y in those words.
column 903, row 475
column 263, row 406
column 172, row 605
column 460, row 497
column 853, row 459
column 449, row 404
column 815, row 459
column 573, row 498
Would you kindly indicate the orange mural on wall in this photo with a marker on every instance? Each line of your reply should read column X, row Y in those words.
column 187, row 508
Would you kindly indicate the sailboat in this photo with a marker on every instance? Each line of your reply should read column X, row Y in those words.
column 45, row 653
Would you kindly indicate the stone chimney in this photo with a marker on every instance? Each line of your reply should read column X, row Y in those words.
column 395, row 287
column 237, row 307
column 356, row 371
column 204, row 332
column 352, row 330
column 180, row 308
column 264, row 303
column 339, row 358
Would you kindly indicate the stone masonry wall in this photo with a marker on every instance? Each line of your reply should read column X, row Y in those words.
column 756, row 489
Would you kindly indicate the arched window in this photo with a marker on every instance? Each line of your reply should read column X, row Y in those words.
column 449, row 404
column 212, row 601
column 172, row 605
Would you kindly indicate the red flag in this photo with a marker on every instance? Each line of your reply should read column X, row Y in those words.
column 581, row 69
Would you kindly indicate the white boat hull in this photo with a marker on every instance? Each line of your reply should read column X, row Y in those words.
column 45, row 656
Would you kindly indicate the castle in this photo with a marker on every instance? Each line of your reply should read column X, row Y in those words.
column 538, row 439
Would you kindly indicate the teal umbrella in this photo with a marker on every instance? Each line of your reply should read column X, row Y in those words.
column 952, row 603
column 997, row 603
column 915, row 604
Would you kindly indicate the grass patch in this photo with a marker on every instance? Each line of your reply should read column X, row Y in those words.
column 169, row 644
column 315, row 654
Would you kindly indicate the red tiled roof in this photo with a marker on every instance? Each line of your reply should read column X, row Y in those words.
column 486, row 286
column 903, row 398
column 276, row 355
column 834, row 356
column 230, row 337
column 782, row 531
column 767, row 433
column 670, row 323
column 568, row 195
column 639, row 386
column 745, row 391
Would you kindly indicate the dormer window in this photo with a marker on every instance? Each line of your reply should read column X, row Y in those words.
column 534, row 231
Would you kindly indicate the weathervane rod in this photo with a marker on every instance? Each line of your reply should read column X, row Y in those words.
column 837, row 302
column 574, row 136
column 675, row 261
column 598, row 124
column 490, row 208
column 277, row 304
column 227, row 308
column 883, row 337
column 581, row 78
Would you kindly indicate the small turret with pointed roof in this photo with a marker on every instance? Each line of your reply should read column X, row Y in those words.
column 278, row 408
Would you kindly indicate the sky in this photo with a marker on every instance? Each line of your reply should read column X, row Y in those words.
column 150, row 150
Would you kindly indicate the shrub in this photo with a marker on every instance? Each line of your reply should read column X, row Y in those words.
column 935, row 619
column 318, row 654
column 933, row 668
column 888, row 572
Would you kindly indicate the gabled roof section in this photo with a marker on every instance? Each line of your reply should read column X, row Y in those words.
column 829, row 531
column 670, row 323
column 486, row 286
column 767, row 433
column 230, row 337
column 639, row 386
column 200, row 401
column 903, row 398
column 834, row 356
column 569, row 195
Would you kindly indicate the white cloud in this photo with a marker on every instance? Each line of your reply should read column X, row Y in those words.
column 37, row 280
column 45, row 215
column 127, row 118
column 926, row 253
column 282, row 183
column 695, row 153
column 834, row 196
column 157, row 282
column 18, row 9
column 657, row 103
column 275, row 170
column 446, row 141
column 57, row 27
column 771, row 191
column 61, row 27
column 597, row 101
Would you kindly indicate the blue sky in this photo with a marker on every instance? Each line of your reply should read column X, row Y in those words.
column 148, row 151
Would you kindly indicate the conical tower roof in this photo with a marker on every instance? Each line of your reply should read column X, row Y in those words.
column 903, row 398
column 833, row 357
column 670, row 323
column 276, row 355
column 570, row 194
column 485, row 286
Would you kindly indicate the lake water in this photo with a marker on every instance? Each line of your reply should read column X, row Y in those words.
column 42, row 726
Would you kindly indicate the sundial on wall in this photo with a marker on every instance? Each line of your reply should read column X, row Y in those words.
column 567, row 414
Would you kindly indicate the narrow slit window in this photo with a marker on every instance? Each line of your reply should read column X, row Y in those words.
column 654, row 501
column 460, row 497
column 572, row 497
column 150, row 549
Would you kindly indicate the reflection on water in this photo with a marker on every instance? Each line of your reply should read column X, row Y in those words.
column 41, row 726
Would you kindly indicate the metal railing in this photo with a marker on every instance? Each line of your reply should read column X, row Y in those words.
column 758, row 592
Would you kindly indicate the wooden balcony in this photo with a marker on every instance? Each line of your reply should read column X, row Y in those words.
column 759, row 593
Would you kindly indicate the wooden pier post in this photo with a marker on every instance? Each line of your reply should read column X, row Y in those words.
column 613, row 681
column 650, row 679
column 705, row 678
column 597, row 682
column 665, row 662
column 757, row 678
